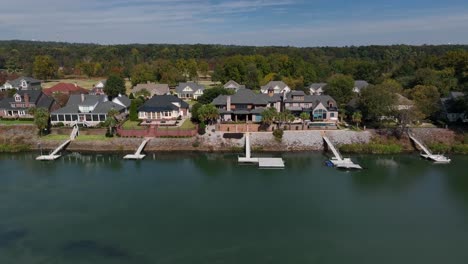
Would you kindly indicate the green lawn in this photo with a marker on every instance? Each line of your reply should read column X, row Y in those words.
column 187, row 125
column 15, row 122
column 132, row 125
column 79, row 138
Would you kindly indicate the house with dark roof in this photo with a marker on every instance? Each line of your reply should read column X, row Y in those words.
column 88, row 110
column 245, row 105
column 18, row 105
column 233, row 85
column 320, row 107
column 316, row 88
column 98, row 88
column 277, row 87
column 152, row 88
column 453, row 107
column 161, row 108
column 22, row 83
column 65, row 88
column 189, row 90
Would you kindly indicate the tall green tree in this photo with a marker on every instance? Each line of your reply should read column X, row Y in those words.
column 426, row 99
column 142, row 73
column 357, row 118
column 208, row 113
column 210, row 94
column 44, row 67
column 304, row 116
column 41, row 118
column 377, row 101
column 340, row 87
column 269, row 116
column 115, row 85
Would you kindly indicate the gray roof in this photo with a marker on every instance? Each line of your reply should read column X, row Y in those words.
column 242, row 96
column 233, row 84
column 273, row 84
column 317, row 85
column 124, row 100
column 103, row 105
column 455, row 95
column 153, row 88
column 195, row 87
column 31, row 82
column 359, row 84
column 36, row 97
column 314, row 99
column 161, row 103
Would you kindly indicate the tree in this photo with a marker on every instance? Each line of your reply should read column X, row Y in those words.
column 340, row 87
column 304, row 116
column 377, row 101
column 210, row 94
column 208, row 113
column 142, row 73
column 194, row 110
column 143, row 93
column 133, row 115
column 426, row 99
column 203, row 67
column 357, row 118
column 115, row 85
column 269, row 115
column 41, row 118
column 44, row 67
column 111, row 122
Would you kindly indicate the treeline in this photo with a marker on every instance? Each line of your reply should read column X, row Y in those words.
column 442, row 66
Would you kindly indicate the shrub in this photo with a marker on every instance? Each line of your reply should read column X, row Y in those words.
column 439, row 148
column 278, row 134
column 460, row 149
column 59, row 124
column 202, row 129
column 196, row 144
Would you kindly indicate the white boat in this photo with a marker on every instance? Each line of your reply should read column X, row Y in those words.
column 437, row 158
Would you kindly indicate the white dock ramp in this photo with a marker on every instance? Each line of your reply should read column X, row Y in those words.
column 53, row 155
column 138, row 155
column 338, row 161
column 273, row 163
column 437, row 158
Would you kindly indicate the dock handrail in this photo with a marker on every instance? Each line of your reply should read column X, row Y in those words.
column 419, row 143
column 332, row 148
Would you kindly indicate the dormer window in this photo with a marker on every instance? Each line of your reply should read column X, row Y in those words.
column 17, row 98
column 24, row 84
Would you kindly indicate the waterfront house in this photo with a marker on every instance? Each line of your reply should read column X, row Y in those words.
column 22, row 83
column 152, row 88
column 245, row 105
column 65, row 88
column 88, row 110
column 233, row 85
column 277, row 87
column 18, row 105
column 453, row 107
column 189, row 90
column 316, row 88
column 163, row 109
column 320, row 107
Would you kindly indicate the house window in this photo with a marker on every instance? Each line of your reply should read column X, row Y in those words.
column 54, row 117
column 24, row 84
column 320, row 114
column 61, row 118
column 67, row 117
column 332, row 114
column 17, row 98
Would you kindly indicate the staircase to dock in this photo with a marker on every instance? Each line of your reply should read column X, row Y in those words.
column 54, row 154
column 138, row 155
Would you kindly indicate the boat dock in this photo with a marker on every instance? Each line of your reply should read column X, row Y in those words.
column 138, row 155
column 272, row 163
column 436, row 158
column 54, row 154
column 338, row 160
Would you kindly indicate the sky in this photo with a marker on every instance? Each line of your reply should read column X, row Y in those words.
column 299, row 23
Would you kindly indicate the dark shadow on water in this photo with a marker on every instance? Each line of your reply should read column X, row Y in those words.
column 11, row 236
column 92, row 247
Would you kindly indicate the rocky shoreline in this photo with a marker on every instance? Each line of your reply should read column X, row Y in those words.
column 293, row 141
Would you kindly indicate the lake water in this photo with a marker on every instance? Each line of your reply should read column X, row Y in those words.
column 205, row 208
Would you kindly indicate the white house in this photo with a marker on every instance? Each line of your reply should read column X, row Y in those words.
column 189, row 90
column 278, row 87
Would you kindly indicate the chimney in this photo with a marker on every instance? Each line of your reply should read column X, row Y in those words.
column 82, row 97
column 228, row 103
column 26, row 99
column 271, row 92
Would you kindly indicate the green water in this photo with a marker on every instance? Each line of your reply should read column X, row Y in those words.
column 205, row 208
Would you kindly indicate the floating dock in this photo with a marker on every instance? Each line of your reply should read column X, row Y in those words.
column 338, row 161
column 138, row 155
column 54, row 154
column 271, row 163
column 436, row 158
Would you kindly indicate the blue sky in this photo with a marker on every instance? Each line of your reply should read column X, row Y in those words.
column 254, row 22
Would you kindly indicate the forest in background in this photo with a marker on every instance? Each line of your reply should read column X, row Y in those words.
column 422, row 73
